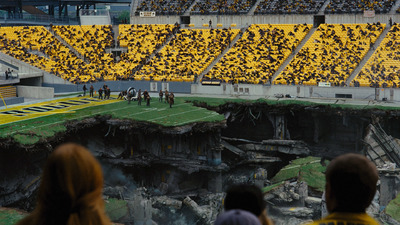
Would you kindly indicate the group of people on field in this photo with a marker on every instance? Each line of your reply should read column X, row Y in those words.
column 105, row 89
column 132, row 95
column 169, row 97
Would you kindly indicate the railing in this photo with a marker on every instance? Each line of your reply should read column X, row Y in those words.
column 35, row 18
column 94, row 12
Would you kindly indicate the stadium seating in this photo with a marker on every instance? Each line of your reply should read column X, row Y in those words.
column 141, row 41
column 165, row 7
column 331, row 54
column 90, row 41
column 14, row 48
column 222, row 7
column 382, row 69
column 289, row 7
column 59, row 59
column 358, row 6
column 187, row 55
column 258, row 54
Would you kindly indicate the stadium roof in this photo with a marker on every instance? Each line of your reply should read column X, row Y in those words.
column 15, row 3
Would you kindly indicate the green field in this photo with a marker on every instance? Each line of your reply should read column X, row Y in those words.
column 31, row 131
column 10, row 216
column 307, row 169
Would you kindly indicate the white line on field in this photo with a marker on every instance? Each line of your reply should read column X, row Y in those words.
column 175, row 114
column 196, row 119
column 49, row 124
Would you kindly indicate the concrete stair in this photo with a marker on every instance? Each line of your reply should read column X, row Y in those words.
column 8, row 91
column 187, row 13
column 294, row 53
column 322, row 9
column 371, row 51
column 116, row 34
column 251, row 11
column 395, row 7
column 216, row 60
column 135, row 4
column 159, row 49
column 72, row 49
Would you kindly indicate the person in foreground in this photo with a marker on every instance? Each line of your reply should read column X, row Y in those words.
column 70, row 192
column 237, row 217
column 249, row 198
column 350, row 187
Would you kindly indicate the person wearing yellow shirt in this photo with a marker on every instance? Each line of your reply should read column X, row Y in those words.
column 350, row 187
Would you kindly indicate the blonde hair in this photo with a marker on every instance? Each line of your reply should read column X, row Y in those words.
column 71, row 190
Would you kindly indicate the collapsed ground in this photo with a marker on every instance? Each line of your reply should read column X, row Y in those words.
column 162, row 159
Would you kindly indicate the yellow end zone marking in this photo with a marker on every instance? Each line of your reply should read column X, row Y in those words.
column 42, row 109
column 40, row 114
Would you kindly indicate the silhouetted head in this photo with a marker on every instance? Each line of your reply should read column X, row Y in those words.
column 245, row 197
column 350, row 183
column 71, row 189
column 237, row 217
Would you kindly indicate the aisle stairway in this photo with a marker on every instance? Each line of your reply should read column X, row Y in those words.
column 294, row 53
column 368, row 55
column 216, row 60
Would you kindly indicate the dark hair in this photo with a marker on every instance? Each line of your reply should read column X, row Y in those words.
column 245, row 197
column 352, row 179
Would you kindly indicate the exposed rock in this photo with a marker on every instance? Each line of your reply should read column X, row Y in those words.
column 299, row 212
column 203, row 212
column 260, row 177
column 289, row 220
column 115, row 192
column 302, row 189
column 285, row 194
column 163, row 187
column 142, row 208
column 313, row 202
column 165, row 201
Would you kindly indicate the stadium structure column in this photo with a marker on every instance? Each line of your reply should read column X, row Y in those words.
column 51, row 10
column 63, row 7
column 215, row 182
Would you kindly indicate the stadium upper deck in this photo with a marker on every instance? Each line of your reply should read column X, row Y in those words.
column 170, row 53
column 237, row 7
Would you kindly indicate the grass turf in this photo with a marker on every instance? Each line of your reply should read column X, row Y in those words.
column 10, row 216
column 393, row 208
column 307, row 169
column 183, row 112
column 115, row 209
column 32, row 130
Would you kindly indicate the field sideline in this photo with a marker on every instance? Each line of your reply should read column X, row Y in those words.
column 28, row 124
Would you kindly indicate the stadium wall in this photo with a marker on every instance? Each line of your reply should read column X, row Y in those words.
column 35, row 92
column 18, row 65
column 117, row 86
column 244, row 20
column 262, row 91
column 95, row 20
column 12, row 101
